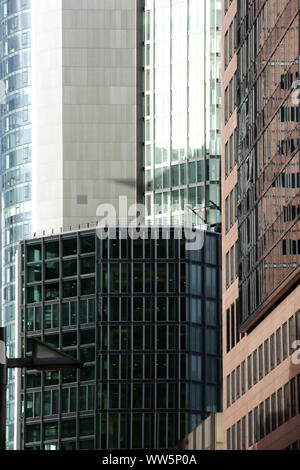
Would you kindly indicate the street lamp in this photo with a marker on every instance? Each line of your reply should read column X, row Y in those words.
column 44, row 357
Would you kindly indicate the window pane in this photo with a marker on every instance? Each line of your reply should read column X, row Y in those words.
column 70, row 247
column 70, row 267
column 52, row 250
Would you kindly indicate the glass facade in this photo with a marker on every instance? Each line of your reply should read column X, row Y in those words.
column 182, row 89
column 268, row 150
column 145, row 317
column 15, row 167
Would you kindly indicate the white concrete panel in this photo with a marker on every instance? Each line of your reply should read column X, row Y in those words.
column 84, row 108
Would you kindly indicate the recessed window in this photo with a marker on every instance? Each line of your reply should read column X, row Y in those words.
column 52, row 250
column 69, row 246
column 34, row 294
column 69, row 339
column 68, row 428
column 34, row 253
column 52, row 291
column 50, row 431
column 86, row 426
column 34, row 273
column 87, row 244
column 51, row 270
column 70, row 288
column 33, row 432
column 87, row 286
column 70, row 267
column 87, row 265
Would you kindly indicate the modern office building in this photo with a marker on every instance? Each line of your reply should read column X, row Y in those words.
column 261, row 251
column 182, row 157
column 96, row 96
column 71, row 123
column 16, row 163
column 145, row 317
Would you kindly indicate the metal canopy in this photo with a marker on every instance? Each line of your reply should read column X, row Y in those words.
column 45, row 357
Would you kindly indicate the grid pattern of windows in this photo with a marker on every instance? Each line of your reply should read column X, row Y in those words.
column 264, row 359
column 144, row 316
column 182, row 157
column 269, row 415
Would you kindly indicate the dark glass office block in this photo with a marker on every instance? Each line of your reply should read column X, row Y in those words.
column 154, row 350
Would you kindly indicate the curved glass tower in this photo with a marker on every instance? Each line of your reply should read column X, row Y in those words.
column 182, row 109
column 16, row 172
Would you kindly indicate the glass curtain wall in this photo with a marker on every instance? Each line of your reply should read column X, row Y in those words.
column 144, row 316
column 182, row 109
column 15, row 134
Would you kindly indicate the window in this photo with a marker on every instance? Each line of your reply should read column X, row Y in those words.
column 32, row 404
column 228, row 439
column 284, row 341
column 255, row 367
column 278, row 346
column 266, row 356
column 87, row 244
column 69, row 246
column 70, row 288
column 231, row 211
column 52, row 291
column 34, row 253
column 244, row 433
column 238, row 435
column 68, row 428
column 68, row 400
column 267, row 418
column 261, row 421
column 272, row 352
column 233, row 437
column 52, row 270
column 260, row 362
column 228, row 330
column 243, row 379
column 232, row 264
column 230, row 40
column 86, row 426
column 51, row 250
column 279, row 407
column 226, row 50
column 227, row 269
column 256, row 424
column 226, row 105
column 286, row 402
column 32, row 432
column 226, row 160
column 273, row 411
column 238, row 376
column 87, row 286
column 249, row 372
column 291, row 334
column 228, row 390
column 233, row 386
column 51, row 431
column 70, row 267
column 34, row 273
column 293, row 397
column 250, row 429
column 227, row 216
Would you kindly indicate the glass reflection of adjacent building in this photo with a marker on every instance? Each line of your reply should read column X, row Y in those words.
column 268, row 157
column 144, row 316
column 15, row 119
column 182, row 108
